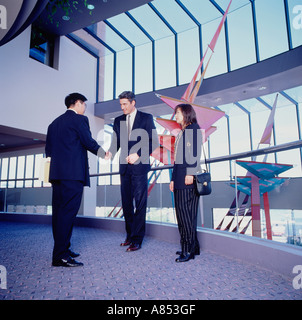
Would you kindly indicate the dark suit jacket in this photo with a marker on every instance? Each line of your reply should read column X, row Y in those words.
column 187, row 155
column 143, row 141
column 67, row 142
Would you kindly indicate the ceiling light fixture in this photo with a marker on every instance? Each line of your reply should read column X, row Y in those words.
column 66, row 18
column 90, row 6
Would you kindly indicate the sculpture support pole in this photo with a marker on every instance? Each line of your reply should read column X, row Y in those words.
column 255, row 204
column 267, row 216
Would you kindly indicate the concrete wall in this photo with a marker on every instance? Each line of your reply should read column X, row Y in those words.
column 32, row 94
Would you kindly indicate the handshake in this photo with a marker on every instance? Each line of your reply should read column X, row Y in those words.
column 108, row 155
column 131, row 159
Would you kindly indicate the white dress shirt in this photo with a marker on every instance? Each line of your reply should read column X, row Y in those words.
column 132, row 118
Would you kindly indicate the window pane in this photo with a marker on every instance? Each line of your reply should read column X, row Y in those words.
column 128, row 29
column 124, row 71
column 188, row 54
column 208, row 13
column 151, row 22
column 295, row 16
column 271, row 26
column 104, row 167
column 174, row 15
column 4, row 172
column 38, row 159
column 12, row 172
column 42, row 46
column 165, row 73
column 241, row 39
column 143, row 68
column 106, row 78
column 290, row 157
column 259, row 116
column 286, row 126
column 219, row 146
column 218, row 62
column 29, row 170
column 239, row 128
column 20, row 171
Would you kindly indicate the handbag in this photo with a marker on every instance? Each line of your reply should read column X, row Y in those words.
column 203, row 180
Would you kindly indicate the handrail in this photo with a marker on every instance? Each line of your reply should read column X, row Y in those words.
column 258, row 152
column 282, row 147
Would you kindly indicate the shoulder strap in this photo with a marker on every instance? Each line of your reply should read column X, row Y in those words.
column 205, row 158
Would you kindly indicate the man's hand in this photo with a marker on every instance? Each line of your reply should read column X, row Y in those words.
column 132, row 158
column 171, row 186
column 108, row 155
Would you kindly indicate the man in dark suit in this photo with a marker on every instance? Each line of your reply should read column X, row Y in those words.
column 135, row 135
column 67, row 142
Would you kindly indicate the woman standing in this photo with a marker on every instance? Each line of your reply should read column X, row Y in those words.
column 187, row 163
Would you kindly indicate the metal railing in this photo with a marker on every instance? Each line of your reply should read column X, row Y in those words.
column 162, row 190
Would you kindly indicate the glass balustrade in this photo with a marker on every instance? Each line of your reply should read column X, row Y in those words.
column 263, row 201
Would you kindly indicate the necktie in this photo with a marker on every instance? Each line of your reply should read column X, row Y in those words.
column 129, row 126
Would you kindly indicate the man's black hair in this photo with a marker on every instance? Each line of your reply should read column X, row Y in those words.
column 72, row 98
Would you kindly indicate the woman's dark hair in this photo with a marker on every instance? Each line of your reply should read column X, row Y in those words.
column 188, row 113
column 73, row 98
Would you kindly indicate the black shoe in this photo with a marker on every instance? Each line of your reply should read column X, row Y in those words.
column 125, row 243
column 69, row 262
column 196, row 253
column 73, row 254
column 185, row 257
column 133, row 247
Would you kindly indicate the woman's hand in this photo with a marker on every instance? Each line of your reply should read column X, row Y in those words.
column 189, row 180
column 171, row 186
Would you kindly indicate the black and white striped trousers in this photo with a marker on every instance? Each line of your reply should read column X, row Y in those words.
column 186, row 206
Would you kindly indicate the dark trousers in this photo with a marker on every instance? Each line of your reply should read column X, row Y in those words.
column 134, row 187
column 66, row 201
column 186, row 207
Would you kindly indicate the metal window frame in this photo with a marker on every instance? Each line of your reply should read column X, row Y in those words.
column 144, row 31
column 226, row 33
column 198, row 24
column 162, row 18
column 92, row 34
column 274, row 133
column 132, row 46
column 256, row 40
column 294, row 102
column 288, row 28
